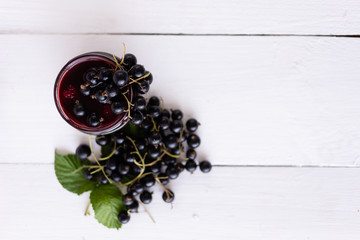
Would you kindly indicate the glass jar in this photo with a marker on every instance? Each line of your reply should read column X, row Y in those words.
column 67, row 94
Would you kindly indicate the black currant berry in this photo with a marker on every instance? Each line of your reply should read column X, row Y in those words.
column 154, row 101
column 112, row 163
column 103, row 140
column 85, row 90
column 103, row 179
column 148, row 180
column 205, row 166
column 91, row 76
column 156, row 168
column 136, row 188
column 129, row 60
column 88, row 175
column 176, row 114
column 146, row 197
column 171, row 141
column 176, row 126
column 190, row 165
column 93, row 120
column 172, row 172
column 191, row 125
column 139, row 103
column 136, row 169
column 137, row 71
column 123, row 168
column 129, row 157
column 191, row 154
column 119, row 137
column 155, row 111
column 116, row 176
column 83, row 151
column 154, row 152
column 137, row 117
column 143, row 87
column 100, row 95
column 168, row 196
column 128, row 199
column 165, row 113
column 120, row 78
column 193, row 140
column 148, row 79
column 105, row 74
column 167, row 160
column 133, row 207
column 79, row 110
column 124, row 217
column 140, row 144
column 117, row 107
column 154, row 138
column 164, row 122
column 111, row 91
column 147, row 124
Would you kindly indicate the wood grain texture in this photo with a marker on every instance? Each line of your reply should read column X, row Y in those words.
column 188, row 16
column 230, row 203
column 273, row 101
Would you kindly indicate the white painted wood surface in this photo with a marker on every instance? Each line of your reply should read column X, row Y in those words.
column 264, row 101
column 186, row 16
column 261, row 101
column 228, row 203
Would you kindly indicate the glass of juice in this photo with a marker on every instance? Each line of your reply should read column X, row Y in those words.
column 67, row 93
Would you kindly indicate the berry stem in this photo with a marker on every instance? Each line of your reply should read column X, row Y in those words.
column 152, row 219
column 110, row 155
column 87, row 209
column 101, row 167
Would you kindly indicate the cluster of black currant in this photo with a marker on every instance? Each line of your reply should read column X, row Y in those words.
column 161, row 148
column 110, row 87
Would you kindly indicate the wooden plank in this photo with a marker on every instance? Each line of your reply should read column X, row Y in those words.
column 267, row 101
column 187, row 16
column 235, row 203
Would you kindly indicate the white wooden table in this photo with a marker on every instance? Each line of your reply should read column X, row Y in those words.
column 275, row 85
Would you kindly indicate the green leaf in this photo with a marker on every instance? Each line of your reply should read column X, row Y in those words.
column 68, row 173
column 107, row 203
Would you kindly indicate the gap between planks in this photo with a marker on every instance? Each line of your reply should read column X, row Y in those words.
column 216, row 165
column 182, row 34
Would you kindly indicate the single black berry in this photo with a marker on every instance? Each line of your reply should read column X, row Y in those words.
column 191, row 125
column 116, row 176
column 88, row 175
column 164, row 122
column 155, row 111
column 143, row 87
column 112, row 163
column 119, row 137
column 123, row 168
column 133, row 207
column 93, row 120
column 136, row 188
column 83, row 151
column 103, row 179
column 85, row 90
column 193, row 140
column 105, row 74
column 172, row 172
column 117, row 107
column 176, row 114
column 154, row 138
column 124, row 217
column 140, row 144
column 120, row 78
column 168, row 196
column 139, row 103
column 111, row 91
column 128, row 199
column 149, row 79
column 137, row 117
column 190, row 165
column 205, row 166
column 79, row 110
column 148, row 180
column 137, row 70
column 171, row 141
column 103, row 140
column 154, row 151
column 165, row 113
column 129, row 60
column 146, row 197
column 191, row 154
column 91, row 76
column 155, row 168
column 154, row 101
column 176, row 126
